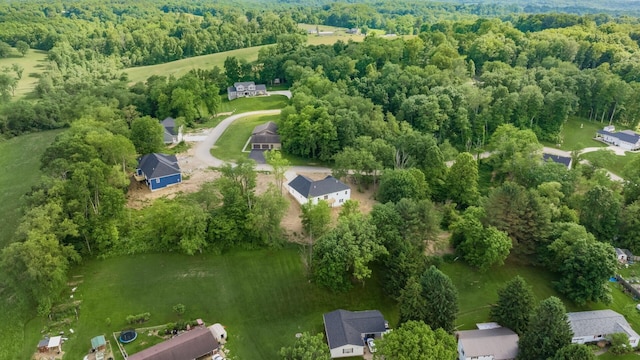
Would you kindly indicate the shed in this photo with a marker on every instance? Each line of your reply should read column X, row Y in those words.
column 98, row 343
column 219, row 332
column 622, row 255
column 54, row 343
column 42, row 345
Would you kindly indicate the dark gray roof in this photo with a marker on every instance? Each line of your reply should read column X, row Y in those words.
column 170, row 125
column 564, row 160
column 348, row 327
column 265, row 139
column 310, row 189
column 626, row 136
column 158, row 165
column 266, row 133
column 260, row 87
column 269, row 128
column 190, row 345
column 500, row 342
column 599, row 322
column 231, row 89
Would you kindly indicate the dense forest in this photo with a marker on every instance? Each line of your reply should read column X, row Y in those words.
column 404, row 115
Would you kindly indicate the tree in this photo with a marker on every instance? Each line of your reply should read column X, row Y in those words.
column 266, row 215
column 441, row 298
column 410, row 302
column 575, row 351
column 18, row 69
column 515, row 302
column 401, row 183
column 415, row 340
column 147, row 135
column 232, row 69
column 344, row 253
column 179, row 309
column 583, row 264
column 279, row 165
column 548, row 331
column 600, row 211
column 462, row 181
column 513, row 149
column 307, row 347
column 5, row 49
column 22, row 47
column 620, row 343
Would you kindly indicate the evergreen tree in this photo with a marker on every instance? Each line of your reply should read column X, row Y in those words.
column 548, row 331
column 412, row 304
column 441, row 299
column 515, row 302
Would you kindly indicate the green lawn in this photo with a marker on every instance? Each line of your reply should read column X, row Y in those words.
column 241, row 105
column 34, row 64
column 262, row 297
column 229, row 146
column 609, row 160
column 578, row 133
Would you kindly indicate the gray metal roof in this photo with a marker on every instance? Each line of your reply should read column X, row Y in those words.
column 190, row 345
column 348, row 327
column 564, row 160
column 310, row 189
column 158, row 165
column 599, row 322
column 500, row 342
column 626, row 136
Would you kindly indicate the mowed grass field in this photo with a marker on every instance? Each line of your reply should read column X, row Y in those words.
column 20, row 164
column 578, row 133
column 34, row 64
column 609, row 160
column 229, row 146
column 262, row 297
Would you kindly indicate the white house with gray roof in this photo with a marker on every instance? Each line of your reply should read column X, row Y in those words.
column 347, row 331
column 245, row 89
column 497, row 343
column 329, row 189
column 594, row 326
column 172, row 133
column 626, row 139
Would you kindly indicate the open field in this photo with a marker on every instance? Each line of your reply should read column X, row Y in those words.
column 34, row 64
column 263, row 297
column 20, row 162
column 578, row 133
column 609, row 160
column 229, row 146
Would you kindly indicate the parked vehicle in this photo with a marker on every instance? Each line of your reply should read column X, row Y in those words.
column 371, row 345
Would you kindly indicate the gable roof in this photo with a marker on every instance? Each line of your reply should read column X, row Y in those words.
column 98, row 341
column 347, row 327
column 500, row 342
column 599, row 322
column 265, row 133
column 310, row 189
column 190, row 345
column 267, row 128
column 626, row 135
column 169, row 124
column 259, row 87
column 158, row 165
column 564, row 160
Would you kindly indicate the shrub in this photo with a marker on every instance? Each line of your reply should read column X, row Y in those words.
column 179, row 309
column 138, row 319
column 620, row 344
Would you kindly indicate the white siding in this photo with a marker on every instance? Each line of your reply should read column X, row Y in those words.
column 334, row 199
column 588, row 339
column 347, row 351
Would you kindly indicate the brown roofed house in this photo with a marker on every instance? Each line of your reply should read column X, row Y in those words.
column 192, row 344
column 265, row 137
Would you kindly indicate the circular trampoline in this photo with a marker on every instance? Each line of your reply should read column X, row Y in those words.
column 128, row 336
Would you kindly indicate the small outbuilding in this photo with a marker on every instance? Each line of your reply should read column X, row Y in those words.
column 622, row 256
column 564, row 160
column 219, row 332
column 98, row 343
column 55, row 343
column 42, row 345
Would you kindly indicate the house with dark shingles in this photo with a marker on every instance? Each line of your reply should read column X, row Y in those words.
column 497, row 343
column 329, row 189
column 347, row 331
column 265, row 137
column 193, row 344
column 564, row 160
column 626, row 139
column 245, row 89
column 594, row 326
column 172, row 134
column 159, row 171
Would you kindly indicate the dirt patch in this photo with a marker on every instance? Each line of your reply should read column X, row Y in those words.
column 440, row 246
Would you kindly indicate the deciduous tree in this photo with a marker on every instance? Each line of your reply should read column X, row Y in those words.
column 574, row 352
column 416, row 340
column 307, row 347
column 462, row 181
column 147, row 135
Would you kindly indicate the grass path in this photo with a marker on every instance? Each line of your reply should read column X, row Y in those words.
column 263, row 297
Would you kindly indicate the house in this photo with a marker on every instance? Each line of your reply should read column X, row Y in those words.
column 99, row 343
column 265, row 137
column 159, row 171
column 496, row 343
column 594, row 326
column 330, row 189
column 564, row 160
column 626, row 139
column 192, row 344
column 244, row 89
column 622, row 256
column 347, row 331
column 172, row 135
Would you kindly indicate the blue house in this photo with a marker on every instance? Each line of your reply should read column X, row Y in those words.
column 159, row 171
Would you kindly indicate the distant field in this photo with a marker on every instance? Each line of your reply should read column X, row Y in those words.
column 262, row 297
column 34, row 63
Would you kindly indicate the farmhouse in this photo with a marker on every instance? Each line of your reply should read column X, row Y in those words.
column 159, row 171
column 192, row 344
column 497, row 343
column 564, row 160
column 594, row 326
column 626, row 139
column 347, row 331
column 265, row 137
column 245, row 89
column 172, row 134
column 330, row 189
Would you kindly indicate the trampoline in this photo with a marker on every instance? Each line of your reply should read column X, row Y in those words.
column 128, row 336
